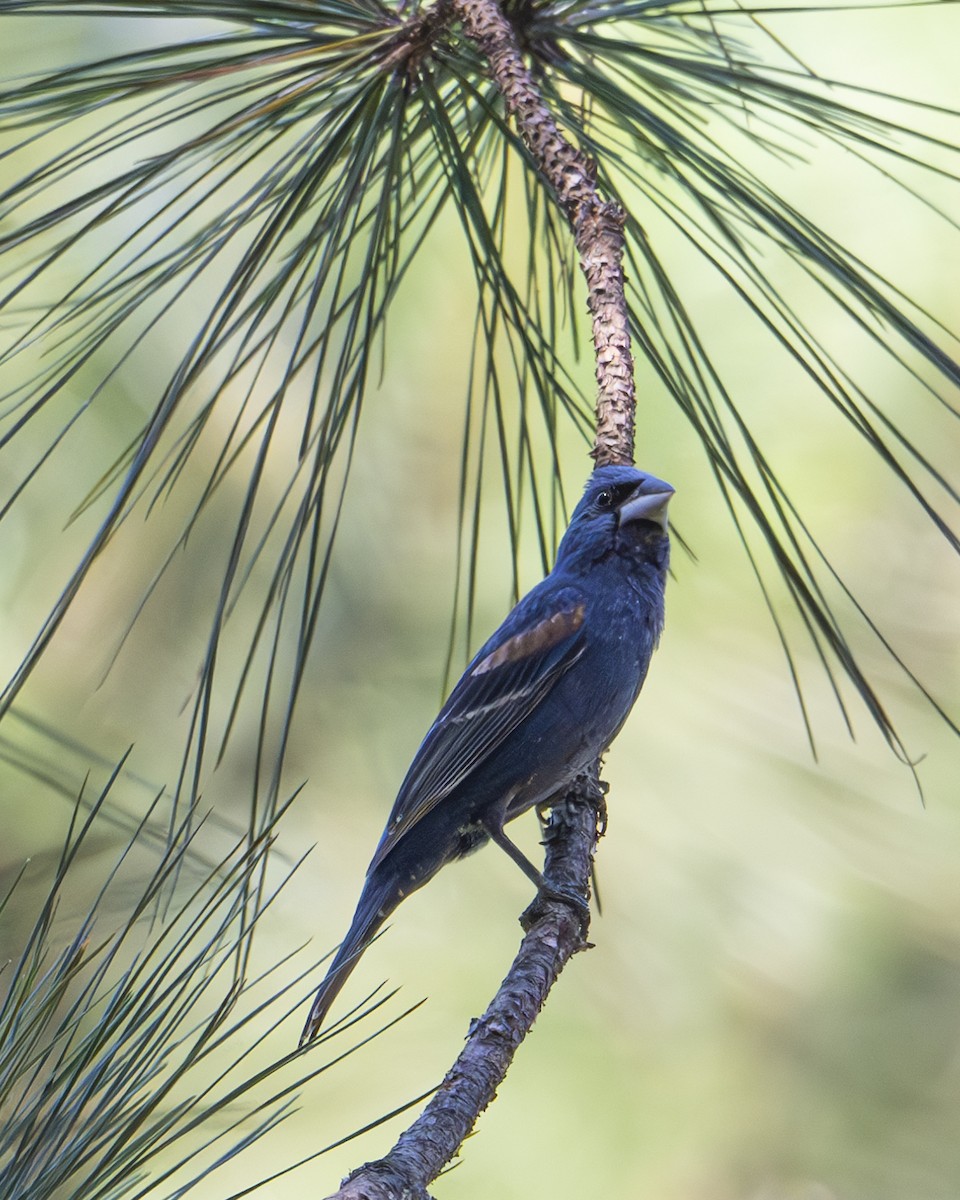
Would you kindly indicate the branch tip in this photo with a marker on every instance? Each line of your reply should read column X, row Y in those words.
column 597, row 224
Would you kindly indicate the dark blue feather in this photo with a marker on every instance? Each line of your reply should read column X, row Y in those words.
column 539, row 703
column 483, row 709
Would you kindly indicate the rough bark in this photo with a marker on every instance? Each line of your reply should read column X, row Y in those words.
column 597, row 224
column 556, row 924
column 556, row 927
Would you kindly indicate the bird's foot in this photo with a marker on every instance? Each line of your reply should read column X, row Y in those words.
column 600, row 799
column 552, row 812
column 547, row 894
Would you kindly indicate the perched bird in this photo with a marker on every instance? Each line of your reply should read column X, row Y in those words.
column 539, row 704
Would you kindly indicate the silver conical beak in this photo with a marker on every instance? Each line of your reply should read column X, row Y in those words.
column 648, row 503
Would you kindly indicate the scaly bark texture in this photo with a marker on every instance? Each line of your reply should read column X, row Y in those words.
column 556, row 929
column 597, row 224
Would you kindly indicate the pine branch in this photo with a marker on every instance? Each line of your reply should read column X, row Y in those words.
column 556, row 924
column 597, row 224
column 556, row 929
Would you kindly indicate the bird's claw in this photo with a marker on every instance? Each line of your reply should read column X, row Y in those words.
column 548, row 894
column 600, row 799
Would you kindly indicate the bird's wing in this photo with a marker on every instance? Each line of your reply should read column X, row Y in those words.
column 539, row 641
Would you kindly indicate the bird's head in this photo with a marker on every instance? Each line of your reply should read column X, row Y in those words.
column 623, row 511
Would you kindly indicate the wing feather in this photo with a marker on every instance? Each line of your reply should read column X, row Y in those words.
column 504, row 684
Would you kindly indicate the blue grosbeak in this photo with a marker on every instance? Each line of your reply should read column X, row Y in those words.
column 539, row 704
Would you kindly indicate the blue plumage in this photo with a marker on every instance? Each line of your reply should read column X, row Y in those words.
column 540, row 702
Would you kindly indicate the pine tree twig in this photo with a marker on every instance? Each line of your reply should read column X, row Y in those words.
column 556, row 927
column 416, row 37
column 556, row 924
column 597, row 224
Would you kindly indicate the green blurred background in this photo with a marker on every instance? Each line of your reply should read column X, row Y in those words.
column 772, row 1007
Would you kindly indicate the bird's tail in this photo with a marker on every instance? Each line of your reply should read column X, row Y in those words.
column 380, row 896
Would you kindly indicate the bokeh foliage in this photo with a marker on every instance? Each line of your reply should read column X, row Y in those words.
column 269, row 279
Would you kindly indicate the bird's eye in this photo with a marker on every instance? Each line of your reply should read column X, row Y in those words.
column 605, row 500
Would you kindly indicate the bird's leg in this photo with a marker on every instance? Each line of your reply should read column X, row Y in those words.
column 545, row 892
column 495, row 830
